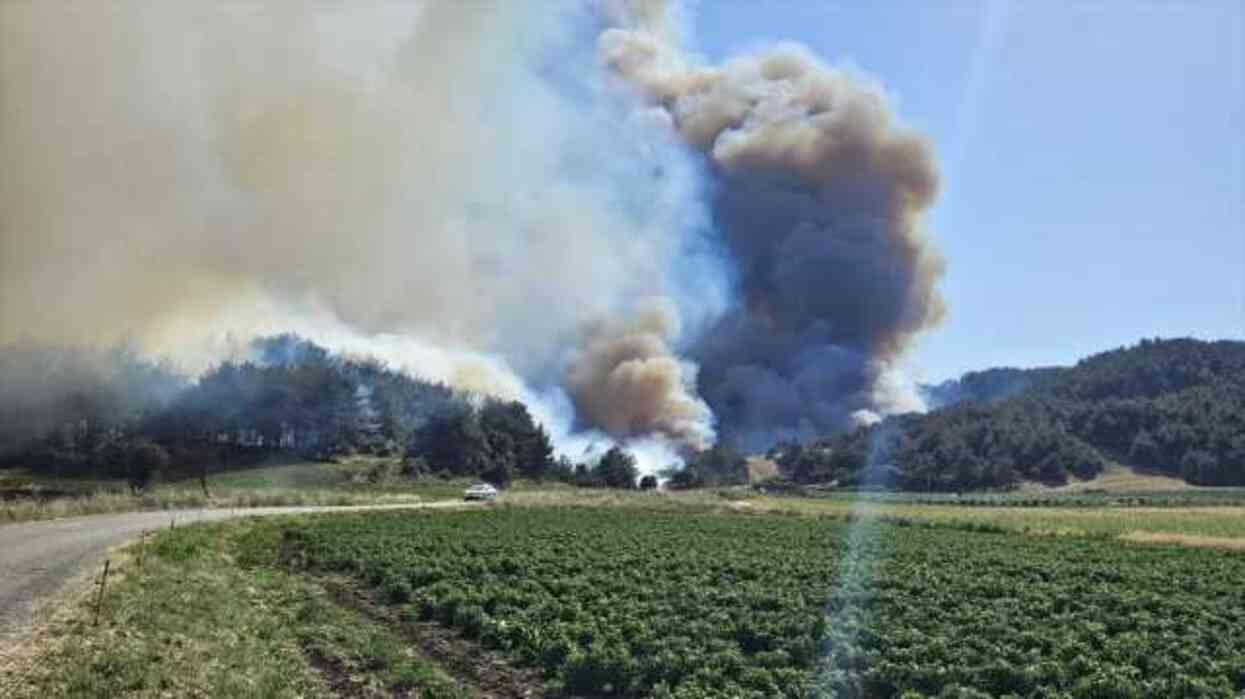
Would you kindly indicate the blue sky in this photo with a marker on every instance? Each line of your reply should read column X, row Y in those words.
column 1092, row 158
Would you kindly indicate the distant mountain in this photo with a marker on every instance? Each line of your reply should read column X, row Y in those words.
column 1171, row 406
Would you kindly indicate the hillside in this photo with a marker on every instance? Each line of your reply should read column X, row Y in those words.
column 1171, row 407
column 91, row 415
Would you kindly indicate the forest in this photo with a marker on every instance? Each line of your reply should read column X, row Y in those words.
column 1175, row 407
column 76, row 412
column 114, row 415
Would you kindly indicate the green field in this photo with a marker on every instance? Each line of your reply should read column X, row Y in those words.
column 612, row 594
column 628, row 602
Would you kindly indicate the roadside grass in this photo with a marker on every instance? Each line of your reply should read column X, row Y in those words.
column 168, row 498
column 227, row 493
column 205, row 618
column 309, row 483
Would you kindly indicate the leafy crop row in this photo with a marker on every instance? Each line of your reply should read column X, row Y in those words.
column 669, row 604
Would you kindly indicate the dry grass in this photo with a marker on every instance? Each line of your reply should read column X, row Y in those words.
column 1119, row 479
column 761, row 469
column 1214, row 542
column 1223, row 523
column 177, row 499
column 304, row 483
column 568, row 497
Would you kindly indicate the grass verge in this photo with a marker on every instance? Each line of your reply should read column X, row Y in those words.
column 179, row 499
column 279, row 485
column 205, row 618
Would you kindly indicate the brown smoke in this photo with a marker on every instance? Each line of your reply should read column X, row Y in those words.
column 628, row 382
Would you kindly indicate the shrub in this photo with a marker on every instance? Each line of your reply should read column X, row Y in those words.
column 146, row 461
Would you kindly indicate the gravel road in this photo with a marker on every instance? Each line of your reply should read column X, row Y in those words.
column 39, row 559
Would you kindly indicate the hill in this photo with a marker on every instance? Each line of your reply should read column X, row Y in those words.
column 1170, row 407
column 81, row 414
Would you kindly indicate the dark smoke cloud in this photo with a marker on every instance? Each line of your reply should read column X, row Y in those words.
column 819, row 197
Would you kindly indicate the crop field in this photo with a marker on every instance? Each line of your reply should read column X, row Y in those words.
column 630, row 602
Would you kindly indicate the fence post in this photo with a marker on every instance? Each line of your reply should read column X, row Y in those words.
column 99, row 599
column 142, row 548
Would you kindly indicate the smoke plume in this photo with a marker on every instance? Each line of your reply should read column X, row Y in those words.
column 818, row 194
column 551, row 202
column 628, row 382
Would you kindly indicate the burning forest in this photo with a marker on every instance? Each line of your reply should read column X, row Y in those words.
column 559, row 205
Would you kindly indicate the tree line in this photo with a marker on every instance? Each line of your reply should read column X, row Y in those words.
column 115, row 415
column 84, row 413
column 1175, row 407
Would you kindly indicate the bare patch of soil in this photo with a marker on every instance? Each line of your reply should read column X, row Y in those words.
column 486, row 674
column 335, row 674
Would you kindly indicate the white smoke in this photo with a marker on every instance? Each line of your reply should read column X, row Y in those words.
column 452, row 187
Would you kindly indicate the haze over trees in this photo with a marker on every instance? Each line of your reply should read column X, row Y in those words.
column 75, row 412
column 66, row 410
column 1175, row 407
column 113, row 415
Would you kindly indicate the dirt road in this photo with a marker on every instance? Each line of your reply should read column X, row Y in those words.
column 39, row 559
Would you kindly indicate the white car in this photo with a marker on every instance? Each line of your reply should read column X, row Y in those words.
column 480, row 491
